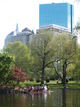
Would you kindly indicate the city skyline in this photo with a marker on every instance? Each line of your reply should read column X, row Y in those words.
column 23, row 12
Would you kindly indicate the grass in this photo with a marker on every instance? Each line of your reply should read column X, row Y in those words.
column 70, row 84
column 74, row 85
column 28, row 83
column 53, row 84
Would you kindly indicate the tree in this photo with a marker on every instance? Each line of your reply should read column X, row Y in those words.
column 19, row 75
column 51, row 48
column 64, row 48
column 70, row 70
column 76, row 71
column 21, row 54
column 76, row 30
column 6, row 64
column 42, row 51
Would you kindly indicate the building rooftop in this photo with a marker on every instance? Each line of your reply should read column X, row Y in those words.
column 57, row 27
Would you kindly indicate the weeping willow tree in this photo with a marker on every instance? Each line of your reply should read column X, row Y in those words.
column 64, row 47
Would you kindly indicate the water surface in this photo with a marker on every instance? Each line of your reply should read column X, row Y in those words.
column 56, row 98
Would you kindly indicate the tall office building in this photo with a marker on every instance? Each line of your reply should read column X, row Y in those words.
column 24, row 36
column 61, row 14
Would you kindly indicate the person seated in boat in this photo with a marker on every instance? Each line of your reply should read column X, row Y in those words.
column 28, row 88
column 36, row 88
column 45, row 88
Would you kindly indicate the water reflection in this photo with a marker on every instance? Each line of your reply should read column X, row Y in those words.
column 64, row 97
column 57, row 98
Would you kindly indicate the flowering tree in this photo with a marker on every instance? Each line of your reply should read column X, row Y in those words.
column 19, row 75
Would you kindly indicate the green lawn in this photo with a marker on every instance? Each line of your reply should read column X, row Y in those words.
column 70, row 84
column 53, row 84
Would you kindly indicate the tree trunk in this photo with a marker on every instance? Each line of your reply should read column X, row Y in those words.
column 42, row 76
column 64, row 73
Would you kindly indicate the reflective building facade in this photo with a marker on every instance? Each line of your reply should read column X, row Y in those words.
column 61, row 14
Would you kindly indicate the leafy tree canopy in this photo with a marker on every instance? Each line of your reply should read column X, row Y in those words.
column 42, row 51
column 6, row 64
column 22, row 55
column 64, row 49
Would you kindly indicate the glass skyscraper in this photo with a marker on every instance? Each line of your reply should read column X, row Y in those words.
column 61, row 14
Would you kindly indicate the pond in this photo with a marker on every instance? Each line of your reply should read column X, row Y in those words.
column 55, row 98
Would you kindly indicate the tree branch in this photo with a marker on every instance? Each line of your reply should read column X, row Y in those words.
column 70, row 62
column 57, row 72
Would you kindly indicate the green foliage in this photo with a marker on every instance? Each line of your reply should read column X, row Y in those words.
column 49, row 73
column 64, row 45
column 70, row 70
column 53, row 49
column 22, row 55
column 42, row 51
column 64, row 49
column 6, row 64
column 77, row 65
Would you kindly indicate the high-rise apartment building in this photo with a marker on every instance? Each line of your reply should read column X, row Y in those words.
column 61, row 14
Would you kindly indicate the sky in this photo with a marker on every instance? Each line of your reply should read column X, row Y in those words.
column 25, row 13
